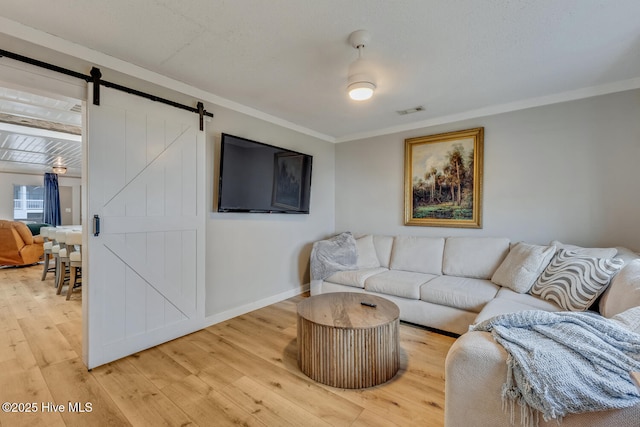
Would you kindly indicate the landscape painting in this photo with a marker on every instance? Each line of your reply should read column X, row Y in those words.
column 443, row 179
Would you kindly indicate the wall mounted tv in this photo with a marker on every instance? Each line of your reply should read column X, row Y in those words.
column 262, row 178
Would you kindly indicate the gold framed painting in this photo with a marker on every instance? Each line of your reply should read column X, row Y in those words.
column 443, row 179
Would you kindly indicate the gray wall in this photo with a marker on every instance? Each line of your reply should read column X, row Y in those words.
column 567, row 171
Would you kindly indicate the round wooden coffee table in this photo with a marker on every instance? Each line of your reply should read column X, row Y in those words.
column 345, row 344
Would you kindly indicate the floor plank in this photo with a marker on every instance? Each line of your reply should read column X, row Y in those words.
column 71, row 383
column 142, row 403
column 47, row 343
column 28, row 388
column 204, row 403
column 269, row 407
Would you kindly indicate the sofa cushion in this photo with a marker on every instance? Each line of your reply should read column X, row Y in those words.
column 384, row 245
column 354, row 278
column 527, row 299
column 522, row 266
column 592, row 252
column 404, row 284
column 418, row 254
column 629, row 319
column 574, row 281
column 503, row 306
column 24, row 232
column 624, row 291
column 476, row 257
column 367, row 256
column 460, row 292
column 626, row 254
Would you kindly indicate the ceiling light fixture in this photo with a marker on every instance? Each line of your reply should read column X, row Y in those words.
column 360, row 82
column 60, row 170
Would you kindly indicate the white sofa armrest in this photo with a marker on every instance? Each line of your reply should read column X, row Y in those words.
column 476, row 369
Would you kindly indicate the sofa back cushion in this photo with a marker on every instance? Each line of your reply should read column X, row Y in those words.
column 418, row 254
column 384, row 246
column 24, row 232
column 629, row 319
column 367, row 256
column 592, row 252
column 476, row 257
column 623, row 292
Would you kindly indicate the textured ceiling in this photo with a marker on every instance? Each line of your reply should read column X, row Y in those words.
column 289, row 58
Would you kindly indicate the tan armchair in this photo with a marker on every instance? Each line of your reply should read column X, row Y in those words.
column 17, row 245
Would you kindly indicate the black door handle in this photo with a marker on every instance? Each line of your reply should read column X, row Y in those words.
column 96, row 225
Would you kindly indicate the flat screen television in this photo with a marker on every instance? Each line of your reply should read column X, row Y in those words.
column 262, row 178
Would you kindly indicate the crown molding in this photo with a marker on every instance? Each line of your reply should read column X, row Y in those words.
column 588, row 92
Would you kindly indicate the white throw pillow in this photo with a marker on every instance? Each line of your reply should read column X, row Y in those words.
column 522, row 266
column 574, row 281
column 592, row 252
column 624, row 291
column 367, row 256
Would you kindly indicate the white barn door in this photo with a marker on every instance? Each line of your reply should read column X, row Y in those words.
column 145, row 180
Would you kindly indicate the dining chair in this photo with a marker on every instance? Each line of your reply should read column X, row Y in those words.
column 60, row 236
column 75, row 261
column 48, row 233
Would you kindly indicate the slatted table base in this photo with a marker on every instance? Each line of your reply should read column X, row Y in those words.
column 346, row 357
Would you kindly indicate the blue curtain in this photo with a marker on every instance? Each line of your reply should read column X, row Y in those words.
column 51, row 199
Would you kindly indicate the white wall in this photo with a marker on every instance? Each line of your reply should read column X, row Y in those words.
column 8, row 180
column 566, row 171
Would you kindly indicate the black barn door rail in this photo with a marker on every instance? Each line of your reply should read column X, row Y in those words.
column 96, row 79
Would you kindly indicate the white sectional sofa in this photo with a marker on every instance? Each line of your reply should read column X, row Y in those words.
column 441, row 283
column 446, row 284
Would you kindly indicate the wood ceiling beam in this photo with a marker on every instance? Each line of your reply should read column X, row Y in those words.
column 40, row 124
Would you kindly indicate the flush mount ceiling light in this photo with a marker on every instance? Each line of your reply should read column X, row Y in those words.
column 360, row 82
column 60, row 170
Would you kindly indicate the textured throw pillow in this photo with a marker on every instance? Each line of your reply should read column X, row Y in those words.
column 367, row 256
column 522, row 266
column 624, row 291
column 574, row 281
column 338, row 253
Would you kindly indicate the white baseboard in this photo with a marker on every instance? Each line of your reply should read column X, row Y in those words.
column 246, row 308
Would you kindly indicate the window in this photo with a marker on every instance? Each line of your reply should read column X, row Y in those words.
column 28, row 203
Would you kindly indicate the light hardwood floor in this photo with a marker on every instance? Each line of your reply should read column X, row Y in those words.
column 239, row 372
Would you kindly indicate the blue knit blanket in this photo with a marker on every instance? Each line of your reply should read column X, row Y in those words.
column 566, row 362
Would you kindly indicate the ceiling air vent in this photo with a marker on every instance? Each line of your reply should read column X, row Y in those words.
column 410, row 110
column 76, row 108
